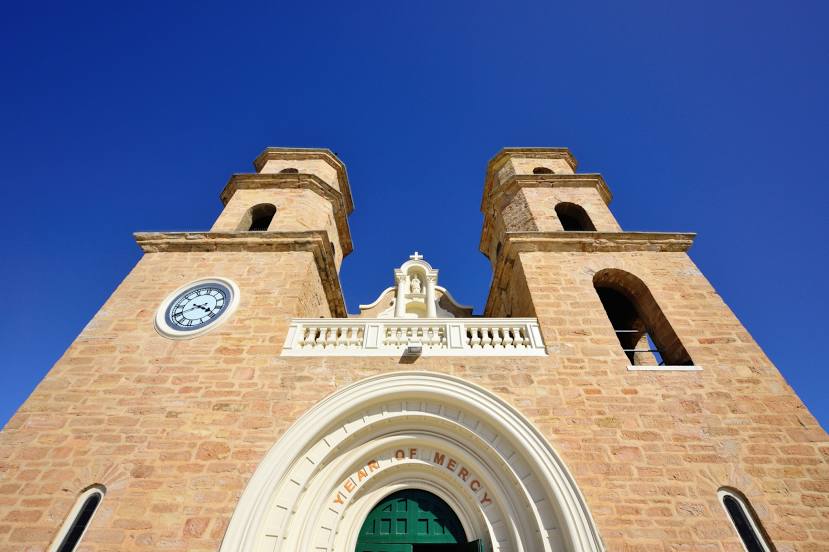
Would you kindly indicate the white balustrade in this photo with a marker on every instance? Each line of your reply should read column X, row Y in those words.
column 435, row 336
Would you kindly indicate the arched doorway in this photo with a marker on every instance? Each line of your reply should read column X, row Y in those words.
column 411, row 430
column 413, row 520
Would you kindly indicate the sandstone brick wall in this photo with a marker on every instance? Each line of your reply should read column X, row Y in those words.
column 649, row 450
column 175, row 428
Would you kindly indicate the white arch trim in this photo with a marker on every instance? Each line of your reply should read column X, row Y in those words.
column 307, row 495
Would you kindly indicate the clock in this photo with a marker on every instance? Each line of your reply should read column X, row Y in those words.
column 197, row 307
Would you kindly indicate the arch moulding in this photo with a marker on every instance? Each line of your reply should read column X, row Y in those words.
column 439, row 433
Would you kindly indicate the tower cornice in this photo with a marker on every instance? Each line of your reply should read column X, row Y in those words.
column 313, row 241
column 273, row 153
column 259, row 181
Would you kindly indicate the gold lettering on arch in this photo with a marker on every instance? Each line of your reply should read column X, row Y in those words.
column 439, row 458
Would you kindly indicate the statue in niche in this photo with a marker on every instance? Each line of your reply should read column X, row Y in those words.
column 415, row 285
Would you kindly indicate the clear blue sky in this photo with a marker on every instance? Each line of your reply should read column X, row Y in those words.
column 703, row 116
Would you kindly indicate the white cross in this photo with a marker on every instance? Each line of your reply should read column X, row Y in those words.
column 416, row 257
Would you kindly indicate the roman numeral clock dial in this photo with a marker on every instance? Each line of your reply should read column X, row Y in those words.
column 191, row 310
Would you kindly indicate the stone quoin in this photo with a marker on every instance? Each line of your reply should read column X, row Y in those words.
column 223, row 399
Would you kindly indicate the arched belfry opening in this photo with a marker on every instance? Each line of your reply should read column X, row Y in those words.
column 574, row 218
column 259, row 217
column 418, row 434
column 645, row 334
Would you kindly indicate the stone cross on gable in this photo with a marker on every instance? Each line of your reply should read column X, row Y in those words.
column 416, row 257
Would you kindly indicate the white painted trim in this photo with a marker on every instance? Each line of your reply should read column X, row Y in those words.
column 437, row 288
column 165, row 330
column 72, row 516
column 379, row 298
column 287, row 504
column 721, row 494
column 665, row 368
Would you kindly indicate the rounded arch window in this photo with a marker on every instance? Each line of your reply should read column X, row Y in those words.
column 574, row 218
column 289, row 170
column 77, row 522
column 743, row 519
column 543, row 170
column 260, row 216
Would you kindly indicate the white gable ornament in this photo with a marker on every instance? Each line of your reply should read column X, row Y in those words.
column 416, row 316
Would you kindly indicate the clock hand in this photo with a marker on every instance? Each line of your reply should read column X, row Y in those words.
column 188, row 310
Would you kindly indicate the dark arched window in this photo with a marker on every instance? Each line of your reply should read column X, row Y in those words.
column 79, row 517
column 543, row 170
column 574, row 218
column 289, row 170
column 644, row 333
column 261, row 216
column 744, row 521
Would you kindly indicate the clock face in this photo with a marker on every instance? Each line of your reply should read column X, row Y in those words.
column 198, row 306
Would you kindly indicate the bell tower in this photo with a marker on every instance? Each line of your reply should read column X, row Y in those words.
column 661, row 381
column 291, row 215
column 298, row 190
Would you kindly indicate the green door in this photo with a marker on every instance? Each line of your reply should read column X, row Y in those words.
column 413, row 521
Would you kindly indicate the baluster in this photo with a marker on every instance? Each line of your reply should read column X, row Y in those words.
column 474, row 340
column 331, row 340
column 522, row 337
column 342, row 337
column 353, row 336
column 320, row 341
column 497, row 339
column 434, row 336
column 508, row 340
column 486, row 342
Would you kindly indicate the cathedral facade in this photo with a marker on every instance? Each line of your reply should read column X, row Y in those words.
column 223, row 399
